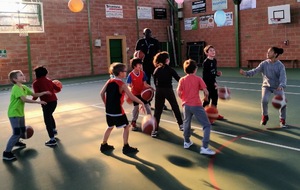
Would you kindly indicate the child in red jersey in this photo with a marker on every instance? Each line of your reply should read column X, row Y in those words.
column 42, row 83
column 137, row 81
column 112, row 95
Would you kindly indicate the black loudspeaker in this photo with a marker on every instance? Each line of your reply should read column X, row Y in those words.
column 194, row 50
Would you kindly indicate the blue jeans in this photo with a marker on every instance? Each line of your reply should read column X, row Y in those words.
column 199, row 113
column 18, row 127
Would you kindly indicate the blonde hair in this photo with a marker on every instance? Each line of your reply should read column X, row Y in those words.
column 13, row 75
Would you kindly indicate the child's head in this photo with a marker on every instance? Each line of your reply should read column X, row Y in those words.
column 189, row 66
column 40, row 71
column 14, row 74
column 277, row 51
column 117, row 68
column 209, row 50
column 134, row 62
column 161, row 59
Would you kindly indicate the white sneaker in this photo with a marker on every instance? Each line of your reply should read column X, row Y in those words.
column 283, row 125
column 187, row 144
column 207, row 151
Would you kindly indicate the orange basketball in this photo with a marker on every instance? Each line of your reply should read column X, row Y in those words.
column 139, row 54
column 279, row 101
column 147, row 94
column 148, row 124
column 58, row 84
column 224, row 93
column 28, row 133
column 212, row 113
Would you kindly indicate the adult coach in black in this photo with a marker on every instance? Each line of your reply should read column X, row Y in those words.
column 150, row 47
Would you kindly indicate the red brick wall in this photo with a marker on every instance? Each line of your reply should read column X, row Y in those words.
column 256, row 35
column 64, row 47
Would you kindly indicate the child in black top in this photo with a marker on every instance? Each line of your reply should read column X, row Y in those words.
column 163, row 75
column 112, row 95
column 209, row 75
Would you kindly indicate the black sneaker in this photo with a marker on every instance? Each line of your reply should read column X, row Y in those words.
column 20, row 144
column 105, row 147
column 165, row 107
column 154, row 134
column 51, row 143
column 128, row 149
column 8, row 156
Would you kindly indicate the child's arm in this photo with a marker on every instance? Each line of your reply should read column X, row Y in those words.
column 205, row 93
column 26, row 100
column 146, row 85
column 102, row 93
column 133, row 97
column 41, row 94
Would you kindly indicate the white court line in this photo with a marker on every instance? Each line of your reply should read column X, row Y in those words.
column 234, row 82
column 229, row 135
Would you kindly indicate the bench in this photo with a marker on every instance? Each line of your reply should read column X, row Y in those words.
column 294, row 62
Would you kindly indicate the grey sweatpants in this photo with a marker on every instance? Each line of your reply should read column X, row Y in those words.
column 200, row 115
column 18, row 127
column 265, row 95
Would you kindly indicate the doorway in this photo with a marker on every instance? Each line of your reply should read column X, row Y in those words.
column 116, row 49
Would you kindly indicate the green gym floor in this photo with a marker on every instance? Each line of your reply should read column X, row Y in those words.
column 249, row 156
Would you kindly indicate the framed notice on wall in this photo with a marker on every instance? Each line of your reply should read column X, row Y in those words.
column 160, row 13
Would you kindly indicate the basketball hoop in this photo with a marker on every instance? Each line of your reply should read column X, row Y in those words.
column 22, row 29
column 275, row 20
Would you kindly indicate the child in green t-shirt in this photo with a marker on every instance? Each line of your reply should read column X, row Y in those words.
column 16, row 111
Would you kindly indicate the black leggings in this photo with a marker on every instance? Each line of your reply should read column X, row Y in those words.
column 160, row 95
column 48, row 110
column 213, row 96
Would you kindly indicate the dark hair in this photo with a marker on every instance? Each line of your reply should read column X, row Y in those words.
column 116, row 68
column 134, row 61
column 160, row 58
column 189, row 66
column 40, row 71
column 277, row 51
column 207, row 48
column 13, row 75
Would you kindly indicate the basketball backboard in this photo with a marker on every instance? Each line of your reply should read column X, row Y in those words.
column 27, row 14
column 279, row 14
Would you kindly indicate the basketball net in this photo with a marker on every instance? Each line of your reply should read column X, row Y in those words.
column 22, row 29
column 275, row 20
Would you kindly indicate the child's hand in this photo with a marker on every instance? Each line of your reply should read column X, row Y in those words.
column 42, row 102
column 219, row 73
column 242, row 72
column 143, row 109
column 47, row 93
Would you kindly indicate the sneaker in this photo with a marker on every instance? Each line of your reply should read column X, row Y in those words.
column 207, row 151
column 187, row 144
column 154, row 134
column 134, row 127
column 51, row 143
column 181, row 127
column 128, row 149
column 55, row 132
column 264, row 119
column 282, row 123
column 8, row 156
column 20, row 144
column 220, row 117
column 106, row 147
